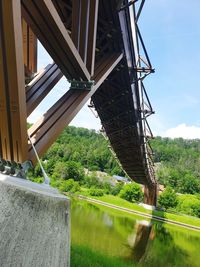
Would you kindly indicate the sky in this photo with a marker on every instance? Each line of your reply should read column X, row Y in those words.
column 171, row 33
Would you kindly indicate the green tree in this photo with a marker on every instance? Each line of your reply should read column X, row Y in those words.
column 60, row 171
column 117, row 188
column 68, row 170
column 75, row 170
column 189, row 185
column 69, row 186
column 131, row 192
column 92, row 180
column 168, row 198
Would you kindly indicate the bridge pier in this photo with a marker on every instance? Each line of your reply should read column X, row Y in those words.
column 150, row 194
column 34, row 225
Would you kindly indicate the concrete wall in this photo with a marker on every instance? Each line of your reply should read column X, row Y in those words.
column 34, row 225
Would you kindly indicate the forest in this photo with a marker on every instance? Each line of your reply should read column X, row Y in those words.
column 76, row 156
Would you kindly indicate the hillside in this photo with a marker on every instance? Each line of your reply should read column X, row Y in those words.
column 87, row 147
column 177, row 161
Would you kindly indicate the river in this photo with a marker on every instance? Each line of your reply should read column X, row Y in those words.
column 133, row 240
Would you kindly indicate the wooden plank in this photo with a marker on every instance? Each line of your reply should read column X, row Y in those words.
column 12, row 87
column 92, row 32
column 84, row 23
column 32, row 51
column 29, row 49
column 45, row 22
column 41, row 85
column 44, row 132
column 76, row 9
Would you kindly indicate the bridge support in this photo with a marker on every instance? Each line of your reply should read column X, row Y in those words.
column 150, row 194
column 34, row 223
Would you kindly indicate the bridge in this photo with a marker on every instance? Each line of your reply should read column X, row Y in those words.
column 98, row 47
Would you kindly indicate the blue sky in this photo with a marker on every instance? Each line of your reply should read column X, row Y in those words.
column 171, row 33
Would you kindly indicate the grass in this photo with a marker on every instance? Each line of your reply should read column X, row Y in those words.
column 115, row 200
column 82, row 256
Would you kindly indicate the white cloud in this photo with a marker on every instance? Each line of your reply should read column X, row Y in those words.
column 184, row 131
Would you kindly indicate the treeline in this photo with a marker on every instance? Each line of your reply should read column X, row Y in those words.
column 177, row 163
column 87, row 147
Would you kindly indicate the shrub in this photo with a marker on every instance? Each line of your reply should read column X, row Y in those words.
column 69, row 186
column 96, row 192
column 189, row 185
column 116, row 189
column 91, row 181
column 107, row 187
column 131, row 192
column 168, row 198
column 189, row 204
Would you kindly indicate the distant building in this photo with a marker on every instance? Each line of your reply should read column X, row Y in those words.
column 118, row 178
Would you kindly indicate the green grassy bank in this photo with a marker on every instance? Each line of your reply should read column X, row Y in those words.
column 115, row 200
column 82, row 256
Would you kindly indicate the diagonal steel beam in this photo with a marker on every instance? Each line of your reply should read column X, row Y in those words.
column 45, row 22
column 41, row 85
column 13, row 131
column 44, row 132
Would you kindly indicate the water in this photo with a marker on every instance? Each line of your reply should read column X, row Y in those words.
column 133, row 239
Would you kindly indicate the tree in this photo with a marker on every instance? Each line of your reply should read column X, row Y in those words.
column 168, row 198
column 131, row 192
column 92, row 180
column 69, row 186
column 60, row 171
column 68, row 170
column 75, row 170
column 189, row 185
column 117, row 188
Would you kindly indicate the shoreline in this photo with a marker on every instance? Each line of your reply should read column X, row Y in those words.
column 139, row 213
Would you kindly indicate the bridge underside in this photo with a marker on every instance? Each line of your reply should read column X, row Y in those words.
column 98, row 47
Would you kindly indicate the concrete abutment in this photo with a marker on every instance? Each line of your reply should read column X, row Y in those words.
column 34, row 225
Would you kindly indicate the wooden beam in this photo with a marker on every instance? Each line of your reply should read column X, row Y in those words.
column 92, row 32
column 45, row 131
column 84, row 30
column 45, row 22
column 13, row 131
column 41, row 85
column 76, row 11
column 84, row 23
column 29, row 48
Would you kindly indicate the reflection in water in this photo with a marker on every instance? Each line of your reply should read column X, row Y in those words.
column 144, row 231
column 121, row 235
